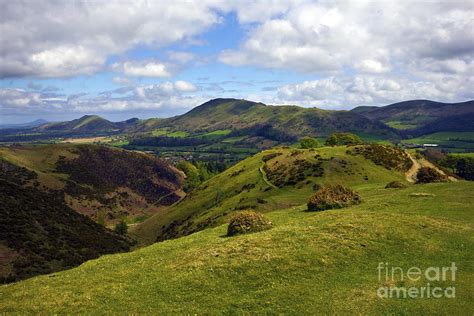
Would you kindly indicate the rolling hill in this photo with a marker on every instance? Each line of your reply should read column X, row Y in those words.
column 104, row 183
column 415, row 114
column 251, row 117
column 39, row 233
column 273, row 179
column 308, row 263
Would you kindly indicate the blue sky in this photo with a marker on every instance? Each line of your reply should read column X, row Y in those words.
column 155, row 59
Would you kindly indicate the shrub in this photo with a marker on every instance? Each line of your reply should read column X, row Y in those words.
column 336, row 139
column 247, row 222
column 333, row 196
column 395, row 185
column 121, row 228
column 428, row 175
column 309, row 142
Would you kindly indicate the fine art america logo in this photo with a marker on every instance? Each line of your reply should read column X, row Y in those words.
column 416, row 282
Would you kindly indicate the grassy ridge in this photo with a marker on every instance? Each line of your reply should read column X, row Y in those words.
column 243, row 186
column 308, row 263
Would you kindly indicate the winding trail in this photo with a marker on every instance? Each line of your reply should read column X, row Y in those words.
column 411, row 173
column 264, row 176
column 417, row 164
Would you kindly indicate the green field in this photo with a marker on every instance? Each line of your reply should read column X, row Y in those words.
column 168, row 133
column 400, row 125
column 310, row 263
column 242, row 186
column 452, row 141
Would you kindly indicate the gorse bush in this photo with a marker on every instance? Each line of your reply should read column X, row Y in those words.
column 333, row 196
column 309, row 142
column 337, row 139
column 395, row 185
column 428, row 175
column 247, row 222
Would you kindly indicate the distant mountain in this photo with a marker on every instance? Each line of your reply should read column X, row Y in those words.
column 87, row 123
column 294, row 121
column 415, row 113
column 24, row 125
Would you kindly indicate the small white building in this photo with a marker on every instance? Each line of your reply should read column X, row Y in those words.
column 430, row 145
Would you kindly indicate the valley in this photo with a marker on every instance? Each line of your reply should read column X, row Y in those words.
column 136, row 212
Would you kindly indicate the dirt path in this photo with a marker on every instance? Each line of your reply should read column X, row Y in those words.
column 264, row 176
column 417, row 164
column 411, row 173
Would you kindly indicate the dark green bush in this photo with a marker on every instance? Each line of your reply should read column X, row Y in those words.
column 428, row 175
column 121, row 228
column 395, row 185
column 333, row 196
column 337, row 139
column 247, row 222
column 309, row 142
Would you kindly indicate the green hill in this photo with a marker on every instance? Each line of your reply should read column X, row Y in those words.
column 273, row 179
column 107, row 184
column 417, row 113
column 39, row 233
column 293, row 121
column 87, row 123
column 308, row 263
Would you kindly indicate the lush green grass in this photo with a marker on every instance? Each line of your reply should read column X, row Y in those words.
column 449, row 140
column 471, row 155
column 400, row 125
column 242, row 186
column 217, row 133
column 168, row 133
column 309, row 263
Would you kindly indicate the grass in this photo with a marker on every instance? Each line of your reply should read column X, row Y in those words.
column 243, row 186
column 448, row 140
column 400, row 125
column 308, row 263
column 469, row 155
column 168, row 133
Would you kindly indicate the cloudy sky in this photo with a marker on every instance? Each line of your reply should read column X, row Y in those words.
column 120, row 59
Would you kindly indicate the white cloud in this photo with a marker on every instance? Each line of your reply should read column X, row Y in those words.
column 67, row 38
column 170, row 96
column 123, row 81
column 369, row 36
column 142, row 69
column 184, row 86
column 348, row 92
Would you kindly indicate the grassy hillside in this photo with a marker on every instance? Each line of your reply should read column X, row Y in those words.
column 415, row 113
column 39, row 233
column 104, row 183
column 273, row 179
column 309, row 263
column 233, row 114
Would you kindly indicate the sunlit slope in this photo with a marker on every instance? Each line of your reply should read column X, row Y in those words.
column 104, row 183
column 286, row 180
column 308, row 263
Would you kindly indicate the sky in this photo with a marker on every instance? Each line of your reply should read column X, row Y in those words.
column 60, row 60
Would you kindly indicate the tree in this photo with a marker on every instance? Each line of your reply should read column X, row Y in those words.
column 309, row 142
column 337, row 139
column 121, row 228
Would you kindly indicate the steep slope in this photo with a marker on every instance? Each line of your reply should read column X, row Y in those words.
column 309, row 263
column 415, row 113
column 106, row 184
column 233, row 114
column 454, row 123
column 39, row 233
column 87, row 123
column 270, row 180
